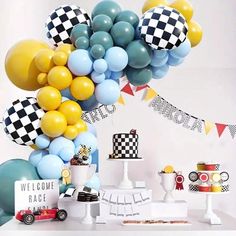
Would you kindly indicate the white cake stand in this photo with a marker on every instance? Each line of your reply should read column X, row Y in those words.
column 88, row 219
column 209, row 216
column 126, row 183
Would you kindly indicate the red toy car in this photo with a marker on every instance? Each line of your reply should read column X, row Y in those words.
column 28, row 216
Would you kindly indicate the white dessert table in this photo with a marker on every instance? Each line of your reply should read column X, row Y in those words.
column 72, row 227
column 126, row 183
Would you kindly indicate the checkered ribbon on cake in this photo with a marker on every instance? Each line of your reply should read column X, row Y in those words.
column 22, row 121
column 125, row 145
column 61, row 21
column 163, row 28
column 193, row 187
column 225, row 188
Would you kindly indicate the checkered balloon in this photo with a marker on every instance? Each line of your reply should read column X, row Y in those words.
column 22, row 121
column 163, row 28
column 62, row 20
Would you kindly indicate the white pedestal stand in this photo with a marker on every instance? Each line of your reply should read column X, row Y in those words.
column 209, row 216
column 126, row 183
column 88, row 219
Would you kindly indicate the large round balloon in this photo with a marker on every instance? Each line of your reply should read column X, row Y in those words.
column 20, row 66
column 62, row 20
column 10, row 171
column 22, row 121
column 163, row 28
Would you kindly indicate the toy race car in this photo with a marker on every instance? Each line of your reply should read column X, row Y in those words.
column 28, row 216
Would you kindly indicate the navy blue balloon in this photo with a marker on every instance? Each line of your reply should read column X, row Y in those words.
column 89, row 104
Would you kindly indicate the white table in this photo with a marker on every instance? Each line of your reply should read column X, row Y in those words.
column 71, row 227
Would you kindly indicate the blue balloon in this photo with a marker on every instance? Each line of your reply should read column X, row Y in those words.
column 89, row 104
column 137, row 34
column 159, row 61
column 80, row 62
column 182, row 51
column 42, row 141
column 36, row 156
column 159, row 72
column 116, row 58
column 107, row 92
column 50, row 167
column 94, row 183
column 66, row 93
column 59, row 143
column 160, row 53
column 100, row 66
column 98, row 77
column 116, row 75
column 108, row 74
column 174, row 61
column 88, row 139
column 92, row 129
column 66, row 154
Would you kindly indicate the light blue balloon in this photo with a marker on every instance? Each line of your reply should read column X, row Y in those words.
column 174, row 61
column 182, row 50
column 92, row 129
column 116, row 75
column 98, row 77
column 94, row 182
column 116, row 58
column 66, row 93
column 36, row 156
column 108, row 74
column 66, row 154
column 50, row 167
column 87, row 139
column 100, row 66
column 159, row 61
column 59, row 143
column 160, row 53
column 42, row 141
column 80, row 62
column 107, row 92
column 159, row 72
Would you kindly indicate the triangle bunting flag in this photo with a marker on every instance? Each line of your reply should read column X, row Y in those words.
column 208, row 126
column 127, row 89
column 220, row 128
column 121, row 100
column 151, row 93
column 139, row 88
column 232, row 130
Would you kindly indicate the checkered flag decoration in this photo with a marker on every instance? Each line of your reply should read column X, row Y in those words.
column 225, row 188
column 125, row 145
column 61, row 21
column 193, row 187
column 163, row 28
column 21, row 121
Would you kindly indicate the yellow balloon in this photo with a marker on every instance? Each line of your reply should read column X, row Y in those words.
column 184, row 7
column 59, row 77
column 42, row 78
column 71, row 110
column 82, row 88
column 43, row 60
column 49, row 98
column 20, row 66
column 194, row 33
column 53, row 124
column 60, row 58
column 153, row 3
column 67, row 48
column 81, row 126
column 71, row 132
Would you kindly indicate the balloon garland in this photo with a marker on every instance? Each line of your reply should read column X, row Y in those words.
column 83, row 69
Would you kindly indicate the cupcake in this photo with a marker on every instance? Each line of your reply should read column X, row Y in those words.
column 200, row 166
column 212, row 166
column 216, row 187
column 204, row 187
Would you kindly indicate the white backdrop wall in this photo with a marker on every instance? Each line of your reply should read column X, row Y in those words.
column 204, row 86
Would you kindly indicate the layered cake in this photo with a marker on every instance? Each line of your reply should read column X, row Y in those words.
column 125, row 145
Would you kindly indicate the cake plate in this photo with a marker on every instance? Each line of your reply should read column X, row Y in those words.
column 88, row 219
column 210, row 216
column 126, row 183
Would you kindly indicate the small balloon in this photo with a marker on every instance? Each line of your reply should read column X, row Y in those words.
column 82, row 42
column 160, row 72
column 194, row 33
column 94, row 183
column 98, row 77
column 59, row 143
column 44, row 60
column 80, row 30
column 182, row 51
column 128, row 16
column 89, row 104
column 87, row 139
column 174, row 61
column 103, row 38
column 157, row 61
column 97, row 51
column 36, row 156
column 42, row 141
column 71, row 132
column 100, row 65
column 81, row 125
column 60, row 58
column 102, row 23
column 66, row 154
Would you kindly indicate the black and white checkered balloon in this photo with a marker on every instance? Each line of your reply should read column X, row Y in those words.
column 22, row 121
column 62, row 20
column 163, row 28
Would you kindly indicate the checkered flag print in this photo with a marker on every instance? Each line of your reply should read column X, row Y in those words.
column 193, row 187
column 232, row 130
column 163, row 28
column 22, row 121
column 61, row 21
column 225, row 188
column 125, row 145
